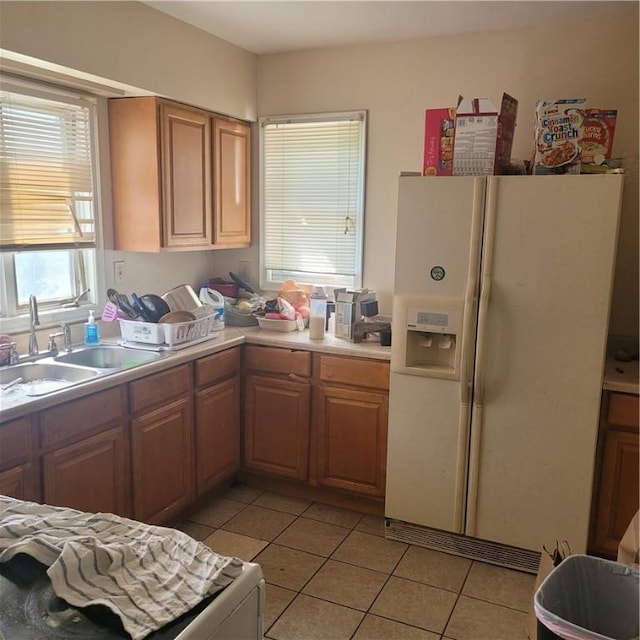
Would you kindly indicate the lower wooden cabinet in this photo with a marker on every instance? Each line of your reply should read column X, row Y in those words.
column 19, row 477
column 617, row 473
column 85, row 453
column 162, row 445
column 351, row 439
column 276, row 426
column 90, row 475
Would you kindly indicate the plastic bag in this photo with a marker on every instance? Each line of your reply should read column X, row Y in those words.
column 296, row 296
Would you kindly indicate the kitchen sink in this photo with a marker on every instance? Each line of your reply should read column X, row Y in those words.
column 39, row 378
column 112, row 357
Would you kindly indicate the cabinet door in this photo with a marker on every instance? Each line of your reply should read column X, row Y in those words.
column 162, row 462
column 276, row 426
column 89, row 475
column 20, row 482
column 617, row 500
column 217, row 433
column 351, row 432
column 232, row 183
column 186, row 177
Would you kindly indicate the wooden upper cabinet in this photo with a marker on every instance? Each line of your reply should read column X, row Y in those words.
column 186, row 177
column 180, row 177
column 232, row 183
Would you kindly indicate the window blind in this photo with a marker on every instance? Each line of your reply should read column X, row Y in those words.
column 46, row 173
column 313, row 190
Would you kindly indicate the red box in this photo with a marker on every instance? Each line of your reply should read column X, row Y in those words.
column 439, row 130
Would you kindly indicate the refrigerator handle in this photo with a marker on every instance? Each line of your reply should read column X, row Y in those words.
column 478, row 400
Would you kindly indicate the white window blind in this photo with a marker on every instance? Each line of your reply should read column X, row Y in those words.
column 46, row 174
column 313, row 170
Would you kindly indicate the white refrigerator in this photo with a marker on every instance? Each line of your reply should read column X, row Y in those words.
column 500, row 317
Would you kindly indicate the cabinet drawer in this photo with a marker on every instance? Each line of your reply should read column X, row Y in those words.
column 217, row 366
column 15, row 442
column 72, row 420
column 160, row 387
column 276, row 360
column 373, row 374
column 623, row 410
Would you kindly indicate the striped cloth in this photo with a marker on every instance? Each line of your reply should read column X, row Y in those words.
column 147, row 575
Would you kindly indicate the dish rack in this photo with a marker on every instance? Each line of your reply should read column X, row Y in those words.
column 170, row 335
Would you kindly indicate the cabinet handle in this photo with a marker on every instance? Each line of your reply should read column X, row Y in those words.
column 296, row 378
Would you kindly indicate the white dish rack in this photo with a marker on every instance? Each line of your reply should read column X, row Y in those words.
column 169, row 335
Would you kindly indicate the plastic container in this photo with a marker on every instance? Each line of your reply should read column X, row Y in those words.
column 91, row 330
column 588, row 598
column 216, row 300
column 317, row 313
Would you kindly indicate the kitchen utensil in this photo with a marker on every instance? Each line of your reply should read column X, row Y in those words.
column 241, row 283
column 154, row 306
column 123, row 303
column 17, row 380
column 140, row 308
column 110, row 312
column 182, row 298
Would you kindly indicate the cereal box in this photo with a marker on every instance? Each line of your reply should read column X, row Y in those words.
column 439, row 128
column 597, row 135
column 558, row 136
column 483, row 136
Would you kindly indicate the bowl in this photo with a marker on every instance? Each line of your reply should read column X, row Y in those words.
column 177, row 316
column 277, row 325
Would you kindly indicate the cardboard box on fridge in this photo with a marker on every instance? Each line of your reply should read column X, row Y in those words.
column 439, row 129
column 483, row 136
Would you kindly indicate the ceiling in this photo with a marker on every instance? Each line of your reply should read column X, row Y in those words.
column 265, row 26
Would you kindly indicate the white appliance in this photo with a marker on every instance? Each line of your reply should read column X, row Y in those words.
column 501, row 307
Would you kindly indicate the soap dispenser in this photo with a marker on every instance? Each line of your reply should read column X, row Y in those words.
column 91, row 330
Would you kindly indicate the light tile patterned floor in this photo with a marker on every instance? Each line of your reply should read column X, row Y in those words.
column 331, row 575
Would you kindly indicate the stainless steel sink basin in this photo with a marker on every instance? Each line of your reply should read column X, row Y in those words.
column 39, row 378
column 112, row 357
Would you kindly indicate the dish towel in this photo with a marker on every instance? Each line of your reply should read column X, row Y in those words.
column 147, row 575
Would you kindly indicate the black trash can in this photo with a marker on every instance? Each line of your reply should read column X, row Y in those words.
column 588, row 598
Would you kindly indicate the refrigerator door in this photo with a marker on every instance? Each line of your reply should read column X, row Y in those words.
column 548, row 254
column 439, row 225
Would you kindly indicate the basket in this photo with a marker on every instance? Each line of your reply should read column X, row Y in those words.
column 165, row 333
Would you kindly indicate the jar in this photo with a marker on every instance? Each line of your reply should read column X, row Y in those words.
column 317, row 312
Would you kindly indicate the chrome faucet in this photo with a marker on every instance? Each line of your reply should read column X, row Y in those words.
column 34, row 321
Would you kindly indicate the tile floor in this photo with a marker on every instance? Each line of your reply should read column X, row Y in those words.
column 331, row 575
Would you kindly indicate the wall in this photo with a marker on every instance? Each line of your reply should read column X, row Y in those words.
column 396, row 82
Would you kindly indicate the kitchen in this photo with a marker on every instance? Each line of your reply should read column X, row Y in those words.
column 415, row 74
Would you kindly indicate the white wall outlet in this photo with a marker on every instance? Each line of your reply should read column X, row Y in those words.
column 118, row 271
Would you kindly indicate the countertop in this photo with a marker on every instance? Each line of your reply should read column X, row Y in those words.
column 12, row 407
column 618, row 376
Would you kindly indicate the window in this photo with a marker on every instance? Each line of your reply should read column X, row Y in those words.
column 312, row 189
column 47, row 219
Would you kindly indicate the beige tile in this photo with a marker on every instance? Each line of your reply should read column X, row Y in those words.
column 312, row 619
column 477, row 620
column 371, row 524
column 216, row 513
column 416, row 604
column 280, row 502
column 333, row 515
column 288, row 568
column 312, row 536
column 376, row 628
column 255, row 522
column 276, row 601
column 227, row 543
column 433, row 567
column 507, row 587
column 371, row 552
column 346, row 584
column 195, row 530
column 242, row 493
